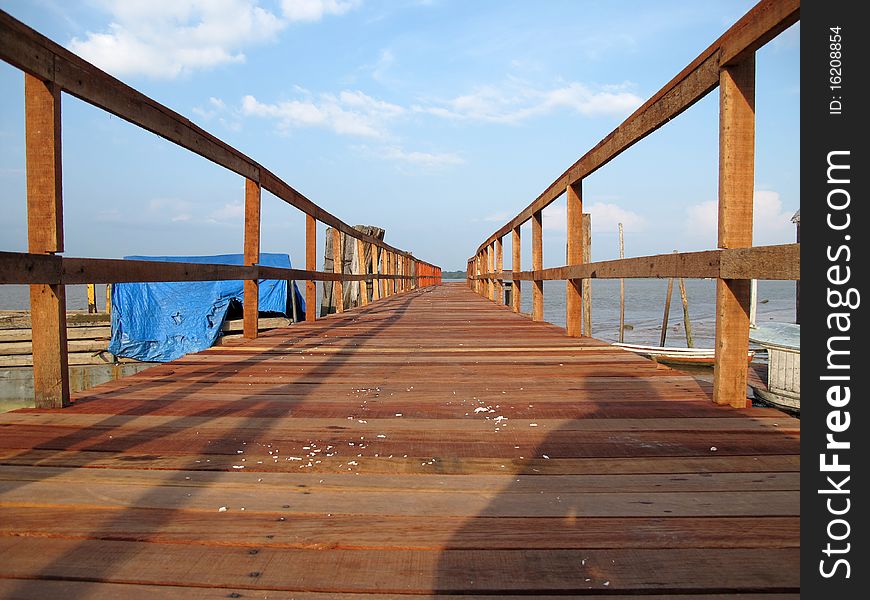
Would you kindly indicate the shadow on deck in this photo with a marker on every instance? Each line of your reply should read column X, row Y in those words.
column 432, row 443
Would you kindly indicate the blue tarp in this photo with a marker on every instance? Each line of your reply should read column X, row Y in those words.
column 164, row 321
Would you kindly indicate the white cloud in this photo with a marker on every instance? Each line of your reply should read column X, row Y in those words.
column 165, row 39
column 605, row 218
column 231, row 212
column 314, row 10
column 349, row 113
column 771, row 224
column 430, row 160
column 516, row 101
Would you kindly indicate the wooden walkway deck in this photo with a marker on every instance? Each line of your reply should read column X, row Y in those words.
column 432, row 443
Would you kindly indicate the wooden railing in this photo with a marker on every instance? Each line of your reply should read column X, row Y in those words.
column 729, row 64
column 49, row 70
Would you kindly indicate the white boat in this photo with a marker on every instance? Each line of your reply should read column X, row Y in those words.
column 783, row 344
column 678, row 356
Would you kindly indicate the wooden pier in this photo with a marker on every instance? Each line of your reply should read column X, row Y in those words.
column 429, row 443
column 434, row 443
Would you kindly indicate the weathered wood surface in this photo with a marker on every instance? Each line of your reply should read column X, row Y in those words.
column 430, row 443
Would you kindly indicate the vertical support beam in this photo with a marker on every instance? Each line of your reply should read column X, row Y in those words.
column 396, row 289
column 252, row 257
column 388, row 270
column 516, row 266
column 573, row 296
column 587, row 283
column 337, row 267
column 45, row 236
column 310, row 265
column 376, row 282
column 499, row 267
column 108, row 298
column 490, row 256
column 403, row 271
column 362, row 269
column 736, row 186
column 537, row 265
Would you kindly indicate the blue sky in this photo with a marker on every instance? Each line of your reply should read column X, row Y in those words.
column 438, row 120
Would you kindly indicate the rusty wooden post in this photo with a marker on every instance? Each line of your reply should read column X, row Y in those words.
column 499, row 267
column 337, row 267
column 537, row 265
column 573, row 298
column 362, row 269
column 251, row 309
column 45, row 236
column 736, row 188
column 587, row 283
column 310, row 265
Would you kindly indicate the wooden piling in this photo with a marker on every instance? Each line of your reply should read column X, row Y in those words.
column 667, row 311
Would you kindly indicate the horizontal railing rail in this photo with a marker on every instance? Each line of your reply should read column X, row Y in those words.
column 51, row 70
column 729, row 64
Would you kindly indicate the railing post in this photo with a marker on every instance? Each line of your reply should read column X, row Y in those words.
column 396, row 288
column 251, row 309
column 736, row 188
column 490, row 281
column 361, row 268
column 587, row 283
column 376, row 281
column 537, row 265
column 499, row 266
column 516, row 267
column 45, row 236
column 573, row 292
column 310, row 265
column 337, row 267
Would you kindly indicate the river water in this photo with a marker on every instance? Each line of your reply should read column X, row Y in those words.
column 644, row 306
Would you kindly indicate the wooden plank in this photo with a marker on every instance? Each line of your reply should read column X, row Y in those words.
column 454, row 571
column 45, row 236
column 591, row 453
column 736, row 192
column 766, row 20
column 110, row 591
column 310, row 265
column 537, row 265
column 782, row 262
column 251, row 257
column 573, row 303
